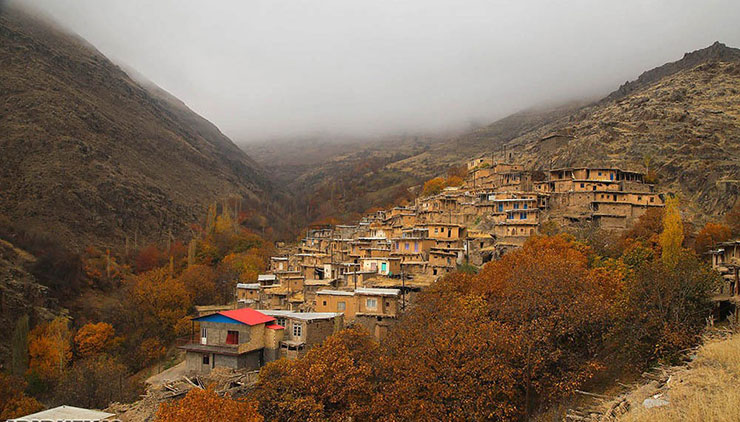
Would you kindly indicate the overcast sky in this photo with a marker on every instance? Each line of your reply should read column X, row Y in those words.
column 263, row 69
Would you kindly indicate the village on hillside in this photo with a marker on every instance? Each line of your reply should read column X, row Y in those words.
column 368, row 273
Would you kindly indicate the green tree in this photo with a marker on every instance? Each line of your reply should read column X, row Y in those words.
column 19, row 346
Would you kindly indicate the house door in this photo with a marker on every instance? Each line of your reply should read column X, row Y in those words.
column 383, row 267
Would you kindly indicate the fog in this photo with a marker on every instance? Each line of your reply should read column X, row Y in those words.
column 267, row 69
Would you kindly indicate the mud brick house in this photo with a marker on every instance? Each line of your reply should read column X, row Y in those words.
column 304, row 330
column 237, row 339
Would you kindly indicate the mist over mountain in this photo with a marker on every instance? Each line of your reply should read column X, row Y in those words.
column 92, row 157
column 263, row 70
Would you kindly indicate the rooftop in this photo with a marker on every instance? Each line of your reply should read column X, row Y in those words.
column 377, row 291
column 66, row 413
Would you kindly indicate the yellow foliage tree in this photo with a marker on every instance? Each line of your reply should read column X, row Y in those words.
column 206, row 406
column 671, row 238
column 93, row 339
column 50, row 349
column 160, row 301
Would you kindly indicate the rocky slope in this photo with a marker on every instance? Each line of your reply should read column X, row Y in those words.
column 682, row 119
column 94, row 156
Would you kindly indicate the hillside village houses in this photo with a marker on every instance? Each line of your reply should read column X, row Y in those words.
column 368, row 273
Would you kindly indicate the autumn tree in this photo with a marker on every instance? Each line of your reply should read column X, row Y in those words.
column 201, row 282
column 206, row 406
column 663, row 308
column 13, row 401
column 149, row 258
column 50, row 349
column 521, row 333
column 647, row 229
column 710, row 235
column 149, row 351
column 433, row 186
column 333, row 382
column 454, row 181
column 95, row 382
column 159, row 302
column 671, row 238
column 93, row 339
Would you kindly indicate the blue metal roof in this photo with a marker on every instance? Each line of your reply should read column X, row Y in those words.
column 217, row 318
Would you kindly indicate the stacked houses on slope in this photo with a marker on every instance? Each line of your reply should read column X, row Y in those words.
column 369, row 271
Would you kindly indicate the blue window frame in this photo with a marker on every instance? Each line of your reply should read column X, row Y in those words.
column 500, row 207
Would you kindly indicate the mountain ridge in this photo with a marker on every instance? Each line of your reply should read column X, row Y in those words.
column 95, row 157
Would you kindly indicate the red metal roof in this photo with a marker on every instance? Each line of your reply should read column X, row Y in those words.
column 248, row 316
column 275, row 327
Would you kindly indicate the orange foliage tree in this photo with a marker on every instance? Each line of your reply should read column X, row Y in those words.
column 149, row 258
column 206, row 406
column 200, row 282
column 93, row 339
column 159, row 302
column 711, row 234
column 334, row 382
column 13, row 401
column 522, row 332
column 433, row 186
column 50, row 349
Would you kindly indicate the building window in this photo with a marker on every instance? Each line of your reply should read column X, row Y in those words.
column 583, row 185
column 281, row 322
column 297, row 329
column 524, row 216
column 416, row 247
column 232, row 337
column 436, row 230
column 407, row 245
column 324, row 303
column 526, row 206
column 341, row 306
column 206, row 360
column 516, row 206
column 371, row 303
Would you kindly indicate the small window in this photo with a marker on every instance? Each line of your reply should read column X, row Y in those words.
column 341, row 306
column 281, row 322
column 583, row 185
column 371, row 303
column 297, row 329
column 324, row 303
column 232, row 337
column 206, row 360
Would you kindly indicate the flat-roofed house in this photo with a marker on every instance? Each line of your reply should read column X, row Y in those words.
column 237, row 339
column 342, row 301
column 303, row 330
column 377, row 309
column 248, row 295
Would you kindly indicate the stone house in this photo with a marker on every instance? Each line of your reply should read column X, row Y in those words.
column 237, row 339
column 303, row 330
